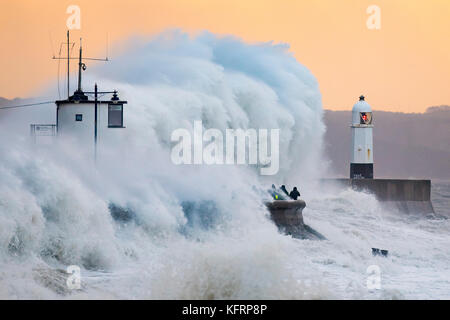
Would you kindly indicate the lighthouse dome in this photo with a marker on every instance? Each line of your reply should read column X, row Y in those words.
column 359, row 108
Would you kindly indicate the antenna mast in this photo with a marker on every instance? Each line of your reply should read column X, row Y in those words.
column 68, row 66
column 81, row 67
column 68, row 62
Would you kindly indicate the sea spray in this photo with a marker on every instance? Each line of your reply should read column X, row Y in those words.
column 199, row 232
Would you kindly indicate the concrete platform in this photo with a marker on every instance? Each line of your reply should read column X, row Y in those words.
column 409, row 196
column 288, row 216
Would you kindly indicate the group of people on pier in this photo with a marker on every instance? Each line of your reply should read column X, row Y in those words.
column 283, row 194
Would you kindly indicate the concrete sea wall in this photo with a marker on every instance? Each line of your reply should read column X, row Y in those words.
column 409, row 196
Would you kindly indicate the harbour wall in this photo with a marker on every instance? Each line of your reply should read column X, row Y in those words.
column 405, row 195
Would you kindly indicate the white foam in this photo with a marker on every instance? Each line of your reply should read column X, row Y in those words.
column 54, row 202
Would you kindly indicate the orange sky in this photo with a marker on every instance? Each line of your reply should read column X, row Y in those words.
column 404, row 66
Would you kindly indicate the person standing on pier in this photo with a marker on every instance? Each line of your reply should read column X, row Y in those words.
column 294, row 194
column 283, row 188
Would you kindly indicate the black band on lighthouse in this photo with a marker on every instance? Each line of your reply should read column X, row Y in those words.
column 361, row 170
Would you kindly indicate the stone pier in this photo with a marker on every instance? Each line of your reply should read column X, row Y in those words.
column 288, row 216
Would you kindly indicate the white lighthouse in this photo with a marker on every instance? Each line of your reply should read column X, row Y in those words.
column 361, row 166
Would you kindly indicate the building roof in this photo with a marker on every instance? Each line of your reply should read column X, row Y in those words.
column 71, row 101
column 361, row 106
column 80, row 97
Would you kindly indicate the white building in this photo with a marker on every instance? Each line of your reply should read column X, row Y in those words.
column 76, row 117
column 88, row 120
column 82, row 117
column 361, row 165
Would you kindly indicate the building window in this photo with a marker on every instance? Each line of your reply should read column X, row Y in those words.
column 78, row 117
column 115, row 115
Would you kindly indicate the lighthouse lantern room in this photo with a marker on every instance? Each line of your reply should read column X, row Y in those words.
column 361, row 166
